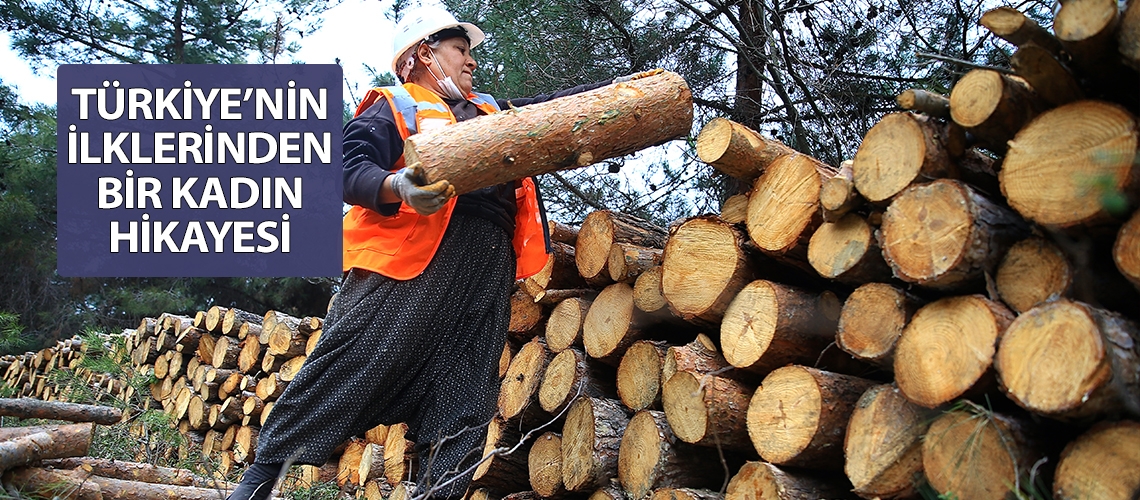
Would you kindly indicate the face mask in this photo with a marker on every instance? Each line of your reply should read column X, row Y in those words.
column 447, row 85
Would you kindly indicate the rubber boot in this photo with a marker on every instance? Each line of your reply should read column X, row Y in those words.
column 257, row 482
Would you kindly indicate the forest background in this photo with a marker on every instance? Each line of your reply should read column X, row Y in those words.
column 814, row 74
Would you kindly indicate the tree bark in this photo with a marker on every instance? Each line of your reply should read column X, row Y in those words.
column 737, row 150
column 708, row 410
column 651, row 457
column 705, row 265
column 978, row 454
column 577, row 131
column 590, row 442
column 600, row 230
column 46, row 442
column 947, row 350
column 71, row 412
column 798, row 416
column 1069, row 360
column 639, row 375
column 872, row 320
column 846, row 250
column 769, row 325
column 572, row 374
column 1033, row 271
column 767, row 481
column 562, row 233
column 1014, row 27
column 925, row 102
column 883, row 445
column 1102, row 463
column 1051, row 79
column 1050, row 163
column 564, row 327
column 946, row 235
column 900, row 150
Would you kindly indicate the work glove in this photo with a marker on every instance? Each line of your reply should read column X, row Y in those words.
column 635, row 76
column 412, row 188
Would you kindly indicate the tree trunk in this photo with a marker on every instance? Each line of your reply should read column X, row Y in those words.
column 577, row 131
column 977, row 455
column 846, row 251
column 946, row 235
column 651, row 457
column 47, row 442
column 783, row 208
column 522, row 379
column 504, row 472
column 928, row 103
column 764, row 480
column 71, row 412
column 627, row 262
column 1102, row 463
column 707, row 410
column 1047, row 171
column 1051, row 79
column 883, row 445
column 799, row 415
column 993, row 106
column 705, row 265
column 639, row 375
column 737, row 150
column 947, row 350
column 564, row 326
column 600, row 230
column 1069, row 360
column 734, row 210
column 1014, row 27
column 132, row 471
column 571, row 374
column 769, row 325
column 590, row 441
column 1126, row 251
column 544, row 466
column 647, row 295
column 900, row 150
column 1033, row 271
column 872, row 320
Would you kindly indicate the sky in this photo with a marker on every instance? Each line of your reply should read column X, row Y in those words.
column 340, row 35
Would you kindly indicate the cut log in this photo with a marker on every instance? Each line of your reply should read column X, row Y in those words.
column 287, row 341
column 46, row 442
column 289, row 368
column 311, row 344
column 397, row 462
column 1053, row 161
column 705, row 265
column 562, row 233
column 560, row 272
column 639, row 375
column 978, row 454
column 587, row 128
column 142, row 472
column 509, row 351
column 737, row 150
column 564, row 327
column 925, row 102
column 611, row 491
column 590, row 442
column 206, row 345
column 734, row 210
column 348, row 467
column 1102, row 463
column 226, row 352
column 504, row 472
column 1051, row 79
column 700, row 356
column 245, row 444
column 1126, row 251
column 1087, row 30
column 947, row 350
column 760, row 480
column 685, row 494
column 526, row 316
column 52, row 410
column 1069, row 360
column 708, row 410
column 883, row 445
column 544, row 465
column 651, row 457
column 769, row 325
column 947, row 235
column 570, row 375
column 377, row 435
column 249, row 358
column 837, row 195
column 1033, row 271
column 522, row 379
column 249, row 330
column 271, row 319
column 872, row 320
column 846, row 251
column 647, row 295
column 235, row 318
column 993, row 106
column 1128, row 35
column 1014, row 27
column 271, row 387
column 783, row 209
column 612, row 324
column 600, row 230
column 627, row 262
column 55, row 482
column 798, row 416
column 214, row 317
column 901, row 149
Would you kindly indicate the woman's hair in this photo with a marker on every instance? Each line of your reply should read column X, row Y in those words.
column 407, row 67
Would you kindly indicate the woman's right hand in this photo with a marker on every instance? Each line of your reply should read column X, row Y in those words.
column 410, row 186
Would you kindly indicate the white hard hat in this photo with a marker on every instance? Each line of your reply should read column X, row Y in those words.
column 422, row 22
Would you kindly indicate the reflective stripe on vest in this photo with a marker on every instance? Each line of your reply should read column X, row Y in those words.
column 402, row 245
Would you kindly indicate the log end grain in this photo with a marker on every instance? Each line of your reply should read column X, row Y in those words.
column 779, row 433
column 883, row 445
column 592, row 250
column 969, row 454
column 558, row 383
column 784, row 200
column 889, row 158
column 872, row 320
column 522, row 378
column 1102, row 463
column 1062, row 164
column 647, row 295
column 703, row 269
column 544, row 463
column 639, row 455
column 608, row 320
column 564, row 326
column 1033, row 271
column 684, row 402
column 926, row 232
column 734, row 210
column 836, row 247
column 1126, row 251
column 1083, row 20
column 639, row 375
column 975, row 97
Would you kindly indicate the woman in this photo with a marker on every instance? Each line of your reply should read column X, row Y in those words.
column 416, row 332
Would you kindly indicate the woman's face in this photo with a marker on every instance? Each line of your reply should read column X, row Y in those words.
column 453, row 57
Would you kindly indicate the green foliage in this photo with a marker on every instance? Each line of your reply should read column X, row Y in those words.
column 11, row 338
column 319, row 491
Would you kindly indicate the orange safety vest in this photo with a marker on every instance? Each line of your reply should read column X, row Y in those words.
column 401, row 246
